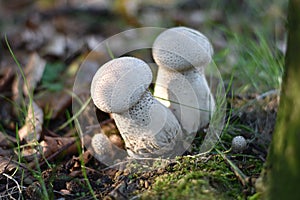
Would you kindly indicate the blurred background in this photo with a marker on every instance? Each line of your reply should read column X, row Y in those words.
column 248, row 36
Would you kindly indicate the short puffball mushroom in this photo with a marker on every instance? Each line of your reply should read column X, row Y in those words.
column 239, row 144
column 148, row 128
column 102, row 147
column 104, row 150
column 181, row 55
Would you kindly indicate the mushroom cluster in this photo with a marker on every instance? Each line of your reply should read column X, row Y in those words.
column 161, row 126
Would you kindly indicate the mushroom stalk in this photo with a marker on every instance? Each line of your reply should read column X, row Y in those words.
column 149, row 129
column 182, row 55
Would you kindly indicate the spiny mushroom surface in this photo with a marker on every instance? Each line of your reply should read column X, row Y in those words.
column 148, row 128
column 181, row 55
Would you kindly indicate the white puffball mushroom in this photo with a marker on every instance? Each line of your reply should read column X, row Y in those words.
column 119, row 84
column 102, row 146
column 104, row 150
column 148, row 128
column 239, row 144
column 181, row 55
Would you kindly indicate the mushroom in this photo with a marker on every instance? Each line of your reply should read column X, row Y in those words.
column 104, row 150
column 181, row 55
column 148, row 128
column 239, row 144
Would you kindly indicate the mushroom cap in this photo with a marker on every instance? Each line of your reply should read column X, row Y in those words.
column 120, row 83
column 182, row 48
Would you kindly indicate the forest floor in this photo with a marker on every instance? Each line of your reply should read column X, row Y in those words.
column 43, row 46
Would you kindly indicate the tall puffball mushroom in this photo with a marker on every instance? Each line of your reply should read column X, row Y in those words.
column 148, row 128
column 181, row 55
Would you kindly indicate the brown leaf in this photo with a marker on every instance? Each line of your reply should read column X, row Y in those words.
column 49, row 148
column 74, row 164
column 15, row 169
column 33, row 72
column 54, row 103
column 32, row 129
column 29, row 153
column 17, row 93
column 54, row 145
column 6, row 140
column 6, row 74
column 6, row 165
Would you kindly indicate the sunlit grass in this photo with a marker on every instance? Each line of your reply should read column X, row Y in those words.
column 254, row 62
column 38, row 174
column 259, row 64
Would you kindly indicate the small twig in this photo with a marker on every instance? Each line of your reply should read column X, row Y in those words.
column 257, row 97
column 239, row 174
column 268, row 93
column 9, row 161
column 32, row 164
column 51, row 133
column 63, row 194
column 16, row 182
column 7, row 193
column 107, row 121
column 198, row 155
column 92, row 170
column 60, row 150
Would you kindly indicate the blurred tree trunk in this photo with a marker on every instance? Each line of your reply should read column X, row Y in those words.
column 283, row 162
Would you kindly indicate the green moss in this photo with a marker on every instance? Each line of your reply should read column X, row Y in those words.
column 196, row 178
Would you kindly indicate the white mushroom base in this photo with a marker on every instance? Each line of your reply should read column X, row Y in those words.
column 188, row 96
column 150, row 130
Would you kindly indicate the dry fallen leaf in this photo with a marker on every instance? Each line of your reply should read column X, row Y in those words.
column 6, row 165
column 14, row 169
column 49, row 148
column 32, row 129
column 33, row 72
column 17, row 93
column 53, row 145
column 6, row 74
column 54, row 103
column 29, row 153
column 6, row 140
